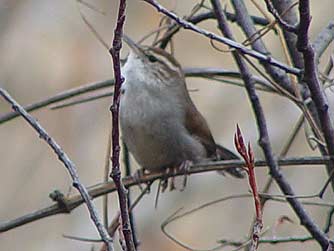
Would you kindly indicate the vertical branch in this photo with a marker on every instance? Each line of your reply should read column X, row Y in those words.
column 264, row 140
column 67, row 163
column 116, row 172
column 248, row 156
column 248, row 27
column 127, row 164
column 290, row 38
column 312, row 80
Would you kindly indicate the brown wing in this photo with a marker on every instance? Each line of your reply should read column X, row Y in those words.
column 197, row 126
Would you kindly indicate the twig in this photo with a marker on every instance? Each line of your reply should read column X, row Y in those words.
column 323, row 39
column 178, row 215
column 104, row 188
column 283, row 153
column 59, row 97
column 106, row 178
column 285, row 25
column 188, row 71
column 174, row 28
column 127, row 164
column 249, row 29
column 186, row 25
column 264, row 142
column 248, row 156
column 116, row 172
column 290, row 38
column 266, row 240
column 115, row 223
column 81, row 100
column 312, row 80
column 67, row 163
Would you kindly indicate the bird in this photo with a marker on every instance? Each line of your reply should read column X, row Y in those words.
column 160, row 124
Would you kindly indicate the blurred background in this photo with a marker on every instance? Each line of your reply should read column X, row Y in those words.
column 46, row 48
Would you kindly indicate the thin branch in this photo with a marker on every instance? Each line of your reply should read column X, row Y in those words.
column 67, row 163
column 115, row 223
column 195, row 19
column 267, row 240
column 285, row 25
column 278, row 75
column 187, row 25
column 312, row 80
column 82, row 100
column 68, row 204
column 116, row 172
column 128, row 172
column 290, row 38
column 188, row 71
column 106, row 178
column 59, row 97
column 323, row 39
column 248, row 156
column 264, row 142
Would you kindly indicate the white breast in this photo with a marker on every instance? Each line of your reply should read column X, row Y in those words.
column 152, row 121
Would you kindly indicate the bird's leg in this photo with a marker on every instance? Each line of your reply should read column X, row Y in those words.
column 138, row 174
column 185, row 166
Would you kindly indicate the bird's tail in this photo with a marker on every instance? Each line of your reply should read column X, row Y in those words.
column 225, row 154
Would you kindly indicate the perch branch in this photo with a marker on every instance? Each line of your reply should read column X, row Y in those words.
column 72, row 202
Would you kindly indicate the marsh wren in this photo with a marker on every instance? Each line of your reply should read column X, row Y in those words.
column 161, row 126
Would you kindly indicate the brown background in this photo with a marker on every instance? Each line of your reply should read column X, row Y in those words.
column 46, row 48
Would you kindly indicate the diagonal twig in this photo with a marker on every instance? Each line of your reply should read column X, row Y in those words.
column 264, row 140
column 187, row 25
column 67, row 163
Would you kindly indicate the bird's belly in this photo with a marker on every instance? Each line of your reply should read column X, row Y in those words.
column 155, row 135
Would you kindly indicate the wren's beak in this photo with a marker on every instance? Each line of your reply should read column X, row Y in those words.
column 134, row 47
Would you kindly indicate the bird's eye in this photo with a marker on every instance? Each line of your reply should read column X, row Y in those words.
column 152, row 58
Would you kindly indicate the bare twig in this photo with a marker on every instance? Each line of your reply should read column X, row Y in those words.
column 188, row 71
column 67, row 163
column 248, row 156
column 115, row 223
column 324, row 38
column 285, row 25
column 312, row 80
column 249, row 29
column 128, row 172
column 59, row 97
column 187, row 25
column 266, row 240
column 264, row 141
column 290, row 38
column 82, row 100
column 106, row 178
column 116, row 172
column 195, row 19
column 101, row 189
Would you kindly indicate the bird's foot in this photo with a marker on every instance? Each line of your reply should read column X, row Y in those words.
column 137, row 176
column 171, row 172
